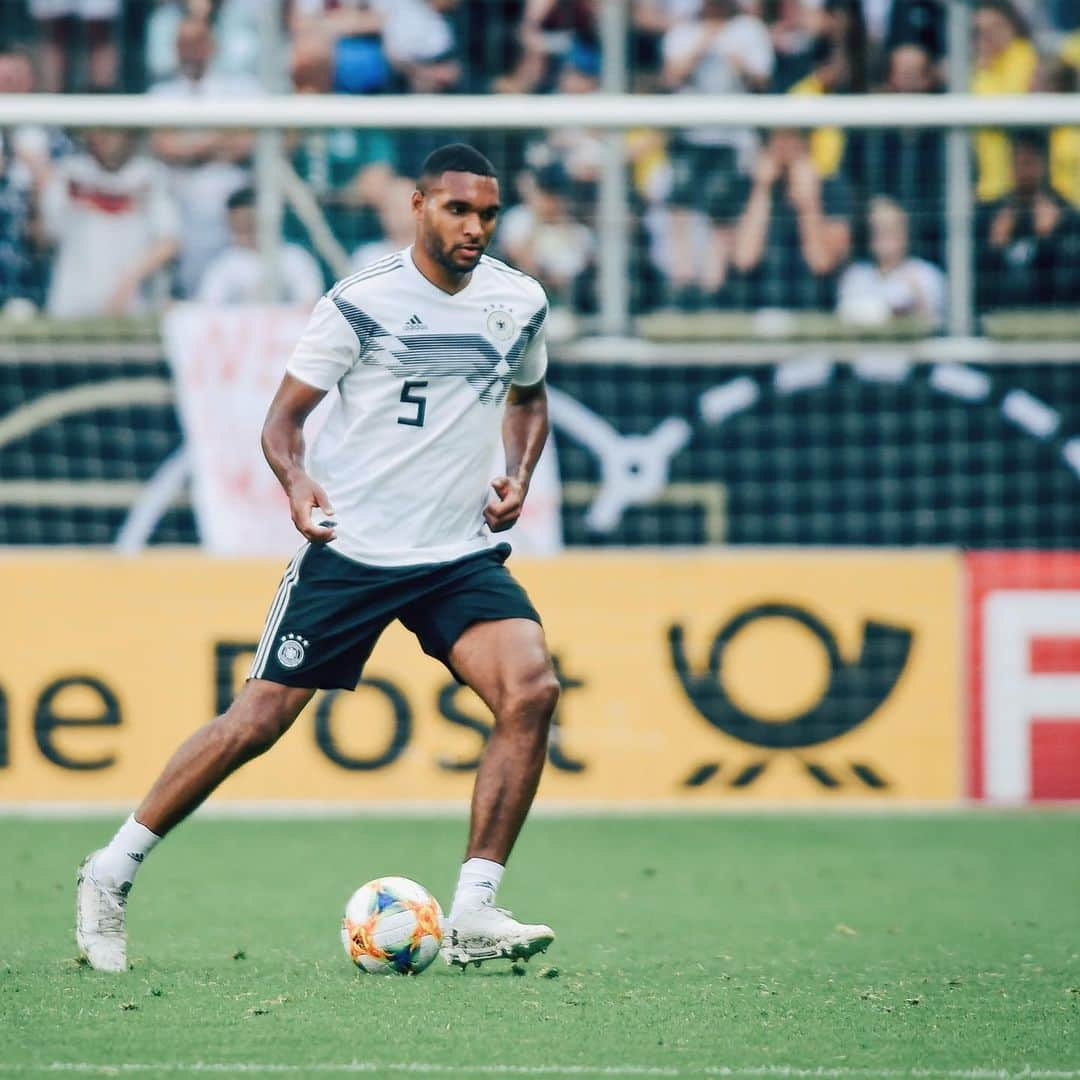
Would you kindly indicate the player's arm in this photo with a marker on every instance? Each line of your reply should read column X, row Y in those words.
column 283, row 447
column 525, row 430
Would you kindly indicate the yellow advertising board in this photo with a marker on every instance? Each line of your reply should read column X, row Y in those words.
column 699, row 679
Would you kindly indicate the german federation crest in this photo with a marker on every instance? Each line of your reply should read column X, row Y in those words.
column 292, row 650
column 500, row 324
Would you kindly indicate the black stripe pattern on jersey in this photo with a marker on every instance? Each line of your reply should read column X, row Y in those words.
column 425, row 356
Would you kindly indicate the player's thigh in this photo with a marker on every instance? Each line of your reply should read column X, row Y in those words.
column 504, row 661
column 323, row 622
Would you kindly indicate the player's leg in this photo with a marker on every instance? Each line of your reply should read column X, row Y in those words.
column 260, row 715
column 507, row 664
column 322, row 625
column 262, row 712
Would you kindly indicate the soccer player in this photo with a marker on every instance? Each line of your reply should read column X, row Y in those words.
column 433, row 351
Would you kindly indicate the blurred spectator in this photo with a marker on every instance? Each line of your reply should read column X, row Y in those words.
column 419, row 40
column 236, row 275
column 488, row 33
column 840, row 49
column 906, row 163
column 1005, row 63
column 541, row 237
column 205, row 167
column 338, row 43
column 549, row 30
column 60, row 20
column 895, row 284
column 17, row 228
column 795, row 232
column 1028, row 243
column 650, row 20
column 793, row 42
column 1064, row 78
column 917, row 22
column 719, row 52
column 396, row 222
column 236, row 27
column 115, row 226
column 347, row 169
column 32, row 145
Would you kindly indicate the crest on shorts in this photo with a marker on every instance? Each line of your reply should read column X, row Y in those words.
column 500, row 323
column 292, row 650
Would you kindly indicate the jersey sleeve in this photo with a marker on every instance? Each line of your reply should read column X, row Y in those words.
column 534, row 360
column 327, row 349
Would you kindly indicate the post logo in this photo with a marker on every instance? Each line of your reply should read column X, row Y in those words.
column 854, row 691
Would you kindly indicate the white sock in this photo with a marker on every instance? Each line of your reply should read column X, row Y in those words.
column 477, row 884
column 118, row 863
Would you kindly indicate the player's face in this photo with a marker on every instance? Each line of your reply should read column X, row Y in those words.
column 456, row 218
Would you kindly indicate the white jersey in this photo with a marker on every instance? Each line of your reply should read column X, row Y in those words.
column 422, row 377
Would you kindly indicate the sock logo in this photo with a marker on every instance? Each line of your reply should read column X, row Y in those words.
column 138, row 856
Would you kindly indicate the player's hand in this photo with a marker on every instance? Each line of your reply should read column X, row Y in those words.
column 504, row 511
column 310, row 505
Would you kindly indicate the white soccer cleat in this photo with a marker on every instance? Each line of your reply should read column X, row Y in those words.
column 99, row 920
column 491, row 933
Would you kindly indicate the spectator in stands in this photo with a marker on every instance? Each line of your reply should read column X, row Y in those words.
column 549, row 29
column 839, row 66
column 236, row 276
column 115, row 226
column 17, row 229
column 205, row 167
column 906, row 163
column 795, row 231
column 650, row 20
column 1064, row 78
column 719, row 52
column 1005, row 63
column 396, row 222
column 59, row 22
column 916, row 22
column 488, row 33
column 32, row 145
column 789, row 23
column 236, row 30
column 419, row 41
column 346, row 169
column 541, row 237
column 343, row 37
column 895, row 284
column 1028, row 242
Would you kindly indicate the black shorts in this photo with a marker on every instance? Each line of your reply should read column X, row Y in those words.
column 329, row 611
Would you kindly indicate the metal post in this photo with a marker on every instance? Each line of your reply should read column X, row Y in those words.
column 959, row 199
column 614, row 209
column 268, row 142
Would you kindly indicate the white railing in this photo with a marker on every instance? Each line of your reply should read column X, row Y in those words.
column 609, row 112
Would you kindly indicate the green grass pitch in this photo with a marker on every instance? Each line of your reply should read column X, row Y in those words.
column 893, row 946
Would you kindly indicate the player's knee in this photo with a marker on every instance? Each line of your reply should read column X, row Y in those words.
column 534, row 699
column 256, row 721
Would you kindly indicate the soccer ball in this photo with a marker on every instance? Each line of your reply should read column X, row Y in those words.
column 392, row 926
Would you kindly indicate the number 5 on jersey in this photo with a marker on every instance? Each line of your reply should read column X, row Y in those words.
column 408, row 398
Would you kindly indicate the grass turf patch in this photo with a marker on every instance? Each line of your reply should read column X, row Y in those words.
column 938, row 942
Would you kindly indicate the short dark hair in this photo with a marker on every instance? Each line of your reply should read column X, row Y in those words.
column 244, row 197
column 455, row 157
column 1033, row 138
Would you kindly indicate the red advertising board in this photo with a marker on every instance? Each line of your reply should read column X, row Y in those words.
column 1024, row 676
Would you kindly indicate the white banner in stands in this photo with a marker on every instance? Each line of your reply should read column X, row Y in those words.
column 227, row 363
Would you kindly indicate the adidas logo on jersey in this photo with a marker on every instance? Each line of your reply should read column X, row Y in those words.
column 415, row 323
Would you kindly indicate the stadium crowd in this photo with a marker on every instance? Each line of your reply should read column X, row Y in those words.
column 722, row 218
